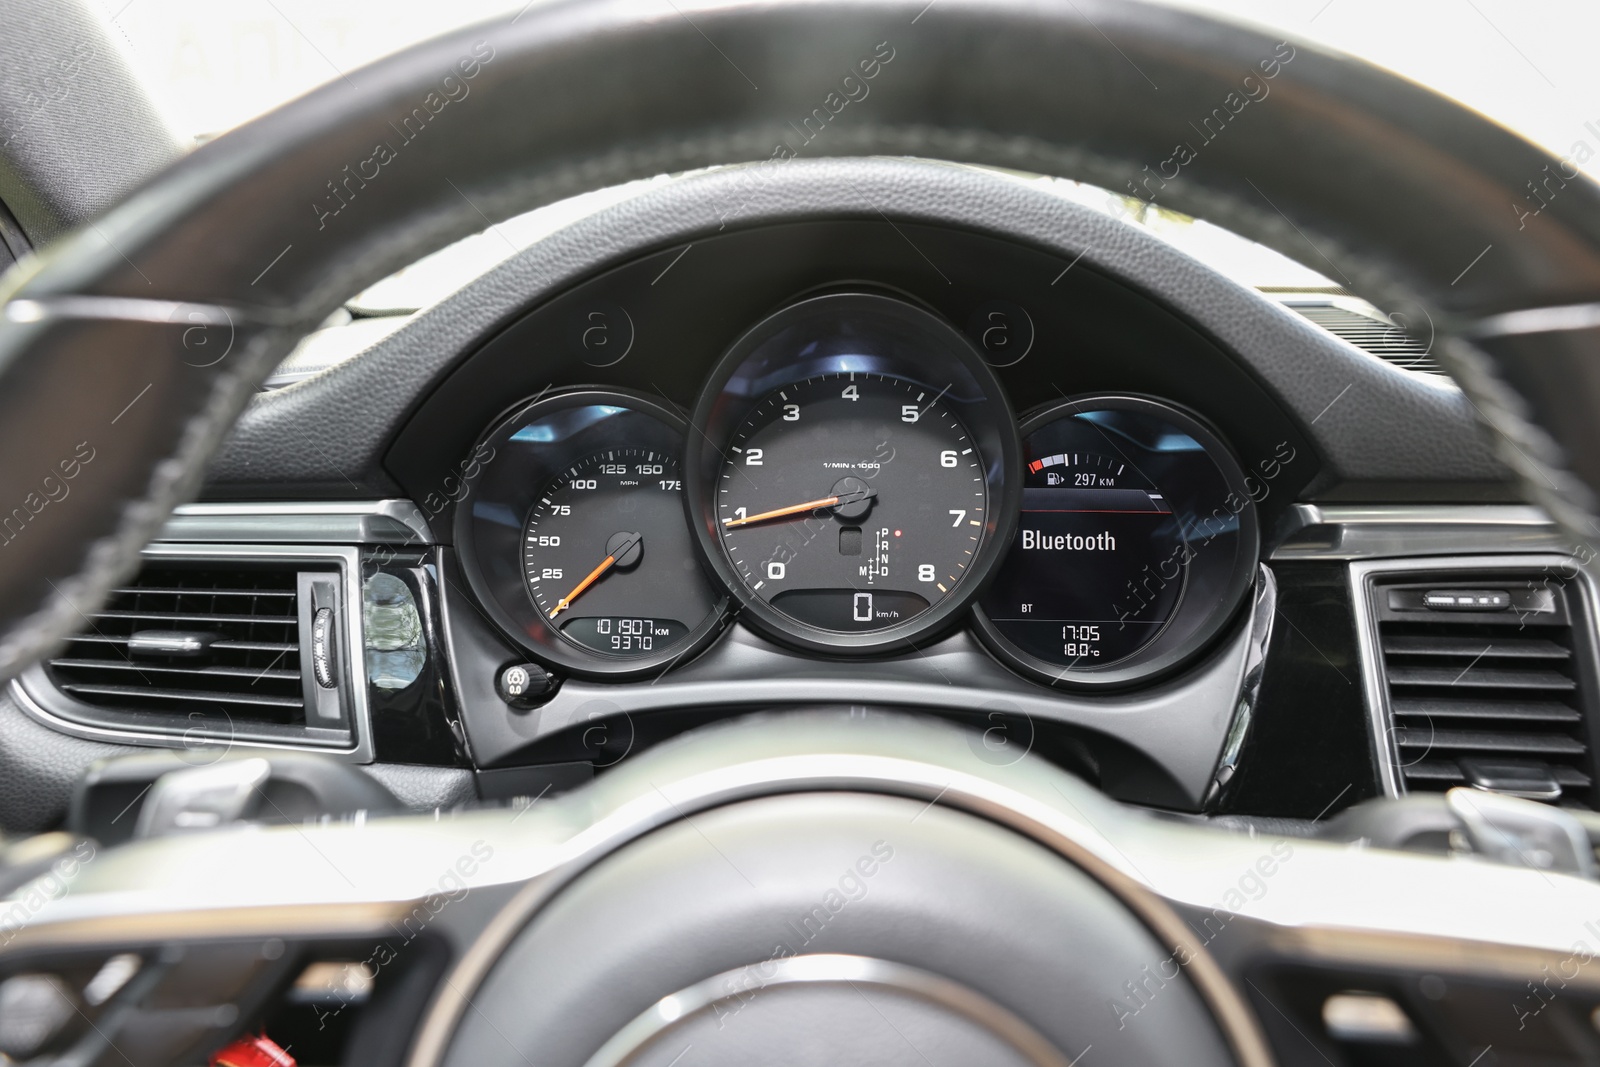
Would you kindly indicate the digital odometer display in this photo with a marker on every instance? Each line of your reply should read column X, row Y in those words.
column 851, row 501
column 623, row 636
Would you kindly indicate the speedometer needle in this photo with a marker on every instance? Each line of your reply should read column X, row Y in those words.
column 810, row 505
column 606, row 564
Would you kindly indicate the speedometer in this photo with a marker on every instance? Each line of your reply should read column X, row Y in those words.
column 572, row 535
column 597, row 560
column 851, row 473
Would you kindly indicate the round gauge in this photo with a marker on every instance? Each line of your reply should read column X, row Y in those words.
column 853, row 502
column 593, row 563
column 1135, row 545
column 574, row 540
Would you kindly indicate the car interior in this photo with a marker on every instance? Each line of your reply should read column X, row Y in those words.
column 669, row 642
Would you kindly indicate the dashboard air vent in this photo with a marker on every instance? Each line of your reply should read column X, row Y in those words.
column 248, row 648
column 1384, row 339
column 220, row 643
column 1489, row 683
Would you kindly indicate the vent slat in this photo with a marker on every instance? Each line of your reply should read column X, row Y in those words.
column 181, row 697
column 1514, row 711
column 199, row 590
column 1487, row 741
column 1481, row 677
column 232, row 646
column 193, row 616
column 1429, row 770
column 149, row 667
column 1379, row 338
column 1448, row 771
column 1472, row 648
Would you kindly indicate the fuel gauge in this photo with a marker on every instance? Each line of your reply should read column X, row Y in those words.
column 1079, row 470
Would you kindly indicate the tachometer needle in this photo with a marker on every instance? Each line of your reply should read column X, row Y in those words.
column 606, row 564
column 810, row 505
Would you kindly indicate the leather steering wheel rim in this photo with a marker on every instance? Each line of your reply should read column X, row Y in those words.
column 128, row 349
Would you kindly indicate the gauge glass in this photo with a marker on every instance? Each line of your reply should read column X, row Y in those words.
column 851, row 501
column 579, row 484
column 606, row 554
column 1135, row 544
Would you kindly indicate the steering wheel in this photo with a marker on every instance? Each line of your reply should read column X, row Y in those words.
column 128, row 349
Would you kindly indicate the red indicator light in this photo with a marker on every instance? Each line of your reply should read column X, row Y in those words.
column 257, row 1051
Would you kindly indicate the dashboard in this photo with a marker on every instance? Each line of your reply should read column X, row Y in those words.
column 828, row 460
column 892, row 436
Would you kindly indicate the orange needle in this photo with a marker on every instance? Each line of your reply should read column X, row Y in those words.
column 795, row 509
column 566, row 602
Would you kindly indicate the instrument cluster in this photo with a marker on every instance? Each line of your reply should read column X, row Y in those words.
column 853, row 480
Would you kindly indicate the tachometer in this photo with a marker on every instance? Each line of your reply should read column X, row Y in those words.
column 852, row 501
column 850, row 477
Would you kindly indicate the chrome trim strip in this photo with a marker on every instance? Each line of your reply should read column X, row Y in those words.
column 1345, row 532
column 201, row 739
column 401, row 858
column 348, row 919
column 362, row 522
column 126, row 309
column 1399, row 952
column 1374, row 690
column 1559, row 319
column 1255, row 668
column 835, row 969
